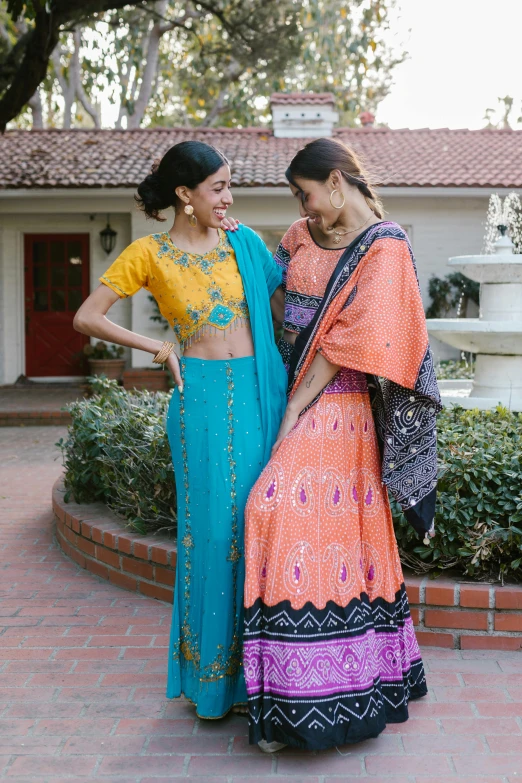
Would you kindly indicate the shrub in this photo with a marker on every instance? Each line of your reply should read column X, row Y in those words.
column 117, row 452
column 451, row 369
column 479, row 506
column 450, row 292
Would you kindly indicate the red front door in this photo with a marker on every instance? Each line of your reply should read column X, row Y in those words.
column 56, row 283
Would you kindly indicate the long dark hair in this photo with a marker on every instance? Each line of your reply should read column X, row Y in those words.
column 320, row 157
column 188, row 163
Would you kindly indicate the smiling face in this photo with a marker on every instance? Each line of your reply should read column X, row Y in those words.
column 210, row 199
column 314, row 200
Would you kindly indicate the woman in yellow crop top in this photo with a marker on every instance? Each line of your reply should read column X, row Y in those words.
column 219, row 291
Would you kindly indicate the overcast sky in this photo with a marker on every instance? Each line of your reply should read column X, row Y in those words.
column 463, row 55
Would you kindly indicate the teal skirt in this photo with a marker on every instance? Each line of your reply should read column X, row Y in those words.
column 214, row 430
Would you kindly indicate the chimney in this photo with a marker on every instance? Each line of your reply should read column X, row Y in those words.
column 367, row 119
column 302, row 115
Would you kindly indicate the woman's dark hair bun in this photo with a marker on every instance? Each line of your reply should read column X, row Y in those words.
column 188, row 163
column 150, row 197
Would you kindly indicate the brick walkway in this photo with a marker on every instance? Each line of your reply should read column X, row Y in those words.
column 82, row 675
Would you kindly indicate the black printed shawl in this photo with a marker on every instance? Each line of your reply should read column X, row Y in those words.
column 371, row 319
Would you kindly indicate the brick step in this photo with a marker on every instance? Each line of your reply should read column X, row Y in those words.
column 34, row 418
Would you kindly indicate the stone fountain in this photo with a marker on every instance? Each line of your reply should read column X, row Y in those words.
column 496, row 335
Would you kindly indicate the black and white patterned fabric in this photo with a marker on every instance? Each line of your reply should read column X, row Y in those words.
column 405, row 419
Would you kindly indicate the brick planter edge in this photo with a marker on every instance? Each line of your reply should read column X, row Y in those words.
column 446, row 613
column 98, row 540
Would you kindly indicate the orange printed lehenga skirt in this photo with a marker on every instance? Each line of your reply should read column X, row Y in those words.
column 330, row 654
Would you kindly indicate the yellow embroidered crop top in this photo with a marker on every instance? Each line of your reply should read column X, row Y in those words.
column 193, row 291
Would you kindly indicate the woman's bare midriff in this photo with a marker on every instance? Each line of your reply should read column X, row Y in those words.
column 233, row 343
column 289, row 337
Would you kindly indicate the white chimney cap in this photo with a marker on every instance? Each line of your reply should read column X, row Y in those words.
column 303, row 114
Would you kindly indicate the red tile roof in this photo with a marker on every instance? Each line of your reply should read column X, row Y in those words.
column 400, row 158
column 309, row 98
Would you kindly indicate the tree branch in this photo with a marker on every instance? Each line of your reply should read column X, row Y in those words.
column 234, row 71
column 25, row 66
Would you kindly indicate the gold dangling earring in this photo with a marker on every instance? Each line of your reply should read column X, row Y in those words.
column 192, row 219
column 331, row 202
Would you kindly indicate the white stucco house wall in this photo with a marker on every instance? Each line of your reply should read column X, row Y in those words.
column 60, row 184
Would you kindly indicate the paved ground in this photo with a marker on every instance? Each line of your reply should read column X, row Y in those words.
column 82, row 675
column 37, row 398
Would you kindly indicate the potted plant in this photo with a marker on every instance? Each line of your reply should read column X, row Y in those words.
column 146, row 378
column 105, row 360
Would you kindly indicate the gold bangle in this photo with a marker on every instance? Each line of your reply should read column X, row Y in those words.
column 163, row 353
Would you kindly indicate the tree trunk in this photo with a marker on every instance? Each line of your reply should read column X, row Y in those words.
column 76, row 80
column 37, row 48
column 66, row 84
column 25, row 67
column 150, row 69
column 35, row 104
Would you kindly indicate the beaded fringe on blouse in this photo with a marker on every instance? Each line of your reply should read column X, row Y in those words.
column 209, row 330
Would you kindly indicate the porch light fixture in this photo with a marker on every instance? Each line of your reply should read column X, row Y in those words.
column 108, row 238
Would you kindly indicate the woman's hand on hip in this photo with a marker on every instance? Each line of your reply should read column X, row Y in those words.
column 173, row 365
column 289, row 421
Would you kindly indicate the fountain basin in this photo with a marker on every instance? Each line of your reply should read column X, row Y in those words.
column 497, row 268
column 478, row 336
column 496, row 336
column 498, row 380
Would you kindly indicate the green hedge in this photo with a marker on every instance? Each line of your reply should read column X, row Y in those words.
column 117, row 452
column 478, row 518
column 453, row 370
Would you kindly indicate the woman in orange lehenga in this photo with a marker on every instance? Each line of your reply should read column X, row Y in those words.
column 330, row 652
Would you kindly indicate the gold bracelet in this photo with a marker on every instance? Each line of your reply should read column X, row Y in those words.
column 163, row 353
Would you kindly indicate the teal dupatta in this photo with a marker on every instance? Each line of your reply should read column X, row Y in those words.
column 261, row 276
column 221, row 432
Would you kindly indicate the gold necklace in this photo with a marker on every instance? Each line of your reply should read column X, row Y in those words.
column 338, row 235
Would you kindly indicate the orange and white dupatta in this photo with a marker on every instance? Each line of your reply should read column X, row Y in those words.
column 371, row 319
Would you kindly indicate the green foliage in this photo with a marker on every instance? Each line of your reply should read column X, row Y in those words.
column 208, row 54
column 345, row 50
column 452, row 291
column 338, row 46
column 478, row 519
column 218, row 62
column 102, row 350
column 117, row 452
column 452, row 370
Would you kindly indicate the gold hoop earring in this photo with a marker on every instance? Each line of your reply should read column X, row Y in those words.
column 192, row 219
column 331, row 202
